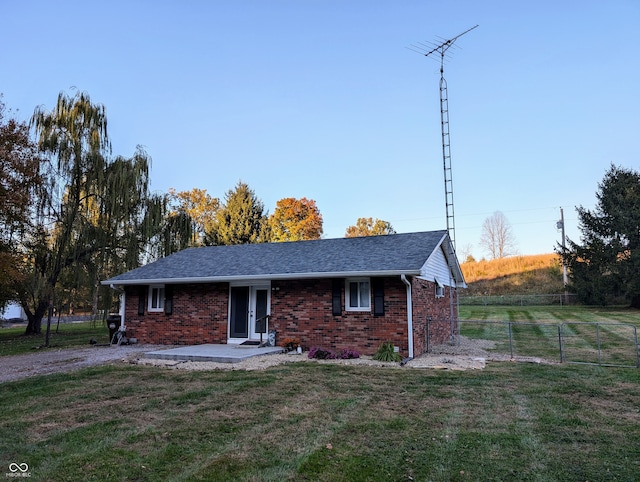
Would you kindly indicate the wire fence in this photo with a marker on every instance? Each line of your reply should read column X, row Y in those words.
column 604, row 344
column 560, row 299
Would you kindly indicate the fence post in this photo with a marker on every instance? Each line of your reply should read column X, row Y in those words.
column 598, row 340
column 635, row 339
column 510, row 340
column 560, row 342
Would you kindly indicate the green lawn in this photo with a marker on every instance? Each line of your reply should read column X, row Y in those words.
column 314, row 422
column 510, row 421
column 589, row 335
column 551, row 314
column 14, row 342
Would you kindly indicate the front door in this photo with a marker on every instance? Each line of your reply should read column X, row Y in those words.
column 247, row 305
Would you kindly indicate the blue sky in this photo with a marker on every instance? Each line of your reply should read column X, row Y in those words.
column 323, row 99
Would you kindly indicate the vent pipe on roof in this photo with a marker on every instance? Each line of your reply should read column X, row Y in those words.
column 409, row 314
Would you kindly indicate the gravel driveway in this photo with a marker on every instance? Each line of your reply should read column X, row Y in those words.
column 45, row 361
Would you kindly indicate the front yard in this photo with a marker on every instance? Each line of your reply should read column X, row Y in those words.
column 306, row 421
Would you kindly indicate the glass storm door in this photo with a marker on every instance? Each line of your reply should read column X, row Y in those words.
column 239, row 312
column 248, row 305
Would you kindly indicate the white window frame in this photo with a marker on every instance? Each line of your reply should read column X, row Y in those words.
column 364, row 298
column 156, row 296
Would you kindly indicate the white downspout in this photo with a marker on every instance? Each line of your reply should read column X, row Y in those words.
column 409, row 314
column 123, row 299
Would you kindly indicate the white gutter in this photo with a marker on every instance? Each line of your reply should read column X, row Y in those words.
column 260, row 277
column 409, row 314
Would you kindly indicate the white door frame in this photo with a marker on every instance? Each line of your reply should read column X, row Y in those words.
column 251, row 315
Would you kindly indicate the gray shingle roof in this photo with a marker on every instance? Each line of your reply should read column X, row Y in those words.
column 390, row 254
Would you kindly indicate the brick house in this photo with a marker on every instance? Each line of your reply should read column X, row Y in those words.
column 333, row 293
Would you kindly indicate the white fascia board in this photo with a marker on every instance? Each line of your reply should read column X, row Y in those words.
column 264, row 277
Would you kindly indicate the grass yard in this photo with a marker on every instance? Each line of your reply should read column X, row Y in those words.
column 589, row 335
column 510, row 421
column 326, row 422
column 14, row 342
column 551, row 314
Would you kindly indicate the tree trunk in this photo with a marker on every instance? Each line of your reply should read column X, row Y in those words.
column 34, row 325
column 635, row 301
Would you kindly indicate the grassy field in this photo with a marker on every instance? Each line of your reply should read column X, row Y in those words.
column 587, row 335
column 14, row 342
column 551, row 314
column 510, row 421
column 514, row 275
column 330, row 423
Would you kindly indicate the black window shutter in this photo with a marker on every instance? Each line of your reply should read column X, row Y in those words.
column 168, row 299
column 378, row 296
column 336, row 297
column 141, row 300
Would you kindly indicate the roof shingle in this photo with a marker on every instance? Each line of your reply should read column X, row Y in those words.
column 318, row 258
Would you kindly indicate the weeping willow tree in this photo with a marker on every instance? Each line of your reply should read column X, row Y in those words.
column 102, row 218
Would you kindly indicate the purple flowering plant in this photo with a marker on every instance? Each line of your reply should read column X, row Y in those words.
column 322, row 354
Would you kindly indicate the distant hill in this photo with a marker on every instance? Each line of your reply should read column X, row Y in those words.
column 516, row 275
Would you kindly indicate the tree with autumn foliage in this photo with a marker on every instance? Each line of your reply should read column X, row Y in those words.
column 295, row 220
column 200, row 207
column 369, row 227
column 21, row 190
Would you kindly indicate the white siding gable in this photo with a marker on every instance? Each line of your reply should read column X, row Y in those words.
column 437, row 267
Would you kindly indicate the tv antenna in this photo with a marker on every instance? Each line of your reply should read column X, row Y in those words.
column 431, row 50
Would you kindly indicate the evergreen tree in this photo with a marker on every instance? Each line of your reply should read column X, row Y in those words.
column 606, row 264
column 241, row 220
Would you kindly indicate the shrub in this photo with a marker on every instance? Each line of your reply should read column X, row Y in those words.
column 386, row 353
column 291, row 344
column 322, row 354
column 348, row 353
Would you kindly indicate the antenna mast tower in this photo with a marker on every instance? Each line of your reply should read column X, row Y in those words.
column 441, row 50
column 431, row 50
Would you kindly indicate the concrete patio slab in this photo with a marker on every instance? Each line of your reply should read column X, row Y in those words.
column 213, row 353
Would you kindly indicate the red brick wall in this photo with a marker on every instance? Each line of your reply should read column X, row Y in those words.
column 302, row 309
column 200, row 315
column 427, row 307
column 299, row 309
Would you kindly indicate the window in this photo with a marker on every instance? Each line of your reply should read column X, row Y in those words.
column 358, row 294
column 439, row 289
column 156, row 298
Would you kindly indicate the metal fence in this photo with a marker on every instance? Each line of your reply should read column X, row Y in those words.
column 519, row 300
column 604, row 344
